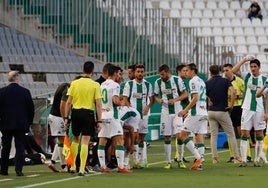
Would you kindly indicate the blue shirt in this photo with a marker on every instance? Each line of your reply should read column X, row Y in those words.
column 217, row 91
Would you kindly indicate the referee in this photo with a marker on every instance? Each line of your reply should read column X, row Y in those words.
column 83, row 94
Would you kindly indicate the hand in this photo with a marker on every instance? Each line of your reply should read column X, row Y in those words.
column 183, row 113
column 146, row 110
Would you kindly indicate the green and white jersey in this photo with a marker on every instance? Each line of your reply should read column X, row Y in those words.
column 250, row 101
column 197, row 85
column 109, row 88
column 138, row 94
column 169, row 90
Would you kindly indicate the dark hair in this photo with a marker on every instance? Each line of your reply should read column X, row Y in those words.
column 256, row 61
column 163, row 67
column 106, row 67
column 139, row 66
column 180, row 67
column 132, row 67
column 113, row 69
column 192, row 66
column 214, row 69
column 88, row 67
column 228, row 65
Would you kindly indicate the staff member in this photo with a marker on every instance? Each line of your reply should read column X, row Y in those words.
column 16, row 115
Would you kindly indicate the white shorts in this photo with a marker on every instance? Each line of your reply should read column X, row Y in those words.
column 196, row 124
column 251, row 119
column 56, row 125
column 110, row 128
column 170, row 124
column 143, row 125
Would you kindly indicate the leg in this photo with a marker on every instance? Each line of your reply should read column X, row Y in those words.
column 19, row 157
column 6, row 143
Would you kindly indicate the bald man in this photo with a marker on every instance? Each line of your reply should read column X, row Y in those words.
column 16, row 115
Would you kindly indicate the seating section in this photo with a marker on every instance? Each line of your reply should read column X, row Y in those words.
column 33, row 58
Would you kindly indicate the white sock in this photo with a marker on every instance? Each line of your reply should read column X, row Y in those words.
column 181, row 151
column 144, row 151
column 136, row 153
column 243, row 149
column 62, row 158
column 167, row 148
column 55, row 153
column 101, row 156
column 258, row 149
column 191, row 147
column 119, row 153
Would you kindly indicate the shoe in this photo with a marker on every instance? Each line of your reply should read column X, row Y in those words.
column 19, row 173
column 146, row 165
column 196, row 164
column 184, row 160
column 82, row 174
column 53, row 168
column 231, row 160
column 168, row 166
column 72, row 171
column 96, row 168
column 215, row 160
column 4, row 173
column 181, row 165
column 243, row 164
column 137, row 166
column 249, row 159
column 105, row 170
column 64, row 170
column 176, row 159
column 123, row 170
column 257, row 164
column 237, row 160
column 111, row 165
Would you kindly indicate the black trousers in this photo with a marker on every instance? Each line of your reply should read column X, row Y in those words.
column 19, row 137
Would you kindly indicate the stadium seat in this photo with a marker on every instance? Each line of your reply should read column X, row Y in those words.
column 206, row 31
column 241, row 14
column 164, row 5
column 173, row 13
column 262, row 58
column 148, row 4
column 187, row 5
column 218, row 13
column 227, row 31
column 241, row 49
column 199, row 5
column 211, row 5
column 230, row 13
column 238, row 31
column 256, row 22
column 246, row 5
column 186, row 13
column 262, row 40
column 229, row 40
column 176, row 5
column 260, row 31
column 197, row 13
column 195, row 22
column 249, row 31
column 225, row 22
column 236, row 22
column 215, row 22
column 205, row 22
column 223, row 5
column 208, row 13
column 240, row 40
column 185, row 22
column 235, row 5
column 251, row 40
column 253, row 49
column 246, row 22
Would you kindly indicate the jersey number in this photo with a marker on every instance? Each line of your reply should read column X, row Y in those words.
column 202, row 96
column 104, row 96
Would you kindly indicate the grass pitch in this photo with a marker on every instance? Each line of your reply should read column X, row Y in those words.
column 213, row 175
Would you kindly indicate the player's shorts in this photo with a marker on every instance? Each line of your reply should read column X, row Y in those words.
column 235, row 115
column 143, row 125
column 170, row 124
column 251, row 119
column 110, row 128
column 130, row 116
column 83, row 122
column 56, row 124
column 196, row 124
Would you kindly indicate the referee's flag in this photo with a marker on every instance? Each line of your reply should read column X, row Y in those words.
column 67, row 151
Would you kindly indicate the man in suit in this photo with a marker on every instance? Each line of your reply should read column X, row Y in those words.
column 16, row 115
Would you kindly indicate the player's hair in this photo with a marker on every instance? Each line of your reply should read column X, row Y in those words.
column 228, row 65
column 106, row 67
column 180, row 67
column 256, row 61
column 193, row 67
column 214, row 69
column 88, row 67
column 163, row 67
column 140, row 66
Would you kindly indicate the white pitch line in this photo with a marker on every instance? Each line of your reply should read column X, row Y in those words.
column 76, row 177
column 5, row 179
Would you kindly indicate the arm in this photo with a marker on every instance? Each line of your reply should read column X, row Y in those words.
column 157, row 99
column 190, row 105
column 236, row 68
column 62, row 108
column 67, row 110
column 147, row 107
column 232, row 97
column 183, row 96
column 260, row 92
column 98, row 109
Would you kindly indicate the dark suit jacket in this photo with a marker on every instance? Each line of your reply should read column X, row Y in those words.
column 16, row 108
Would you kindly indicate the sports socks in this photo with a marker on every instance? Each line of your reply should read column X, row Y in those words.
column 62, row 158
column 119, row 152
column 101, row 155
column 180, row 149
column 136, row 152
column 191, row 147
column 167, row 147
column 74, row 152
column 258, row 147
column 201, row 149
column 83, row 157
column 243, row 148
column 55, row 154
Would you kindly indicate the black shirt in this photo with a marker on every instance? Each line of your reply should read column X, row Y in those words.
column 217, row 90
column 59, row 95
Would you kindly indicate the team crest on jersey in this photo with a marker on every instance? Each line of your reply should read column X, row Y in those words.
column 168, row 91
column 252, row 87
column 138, row 95
column 192, row 86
